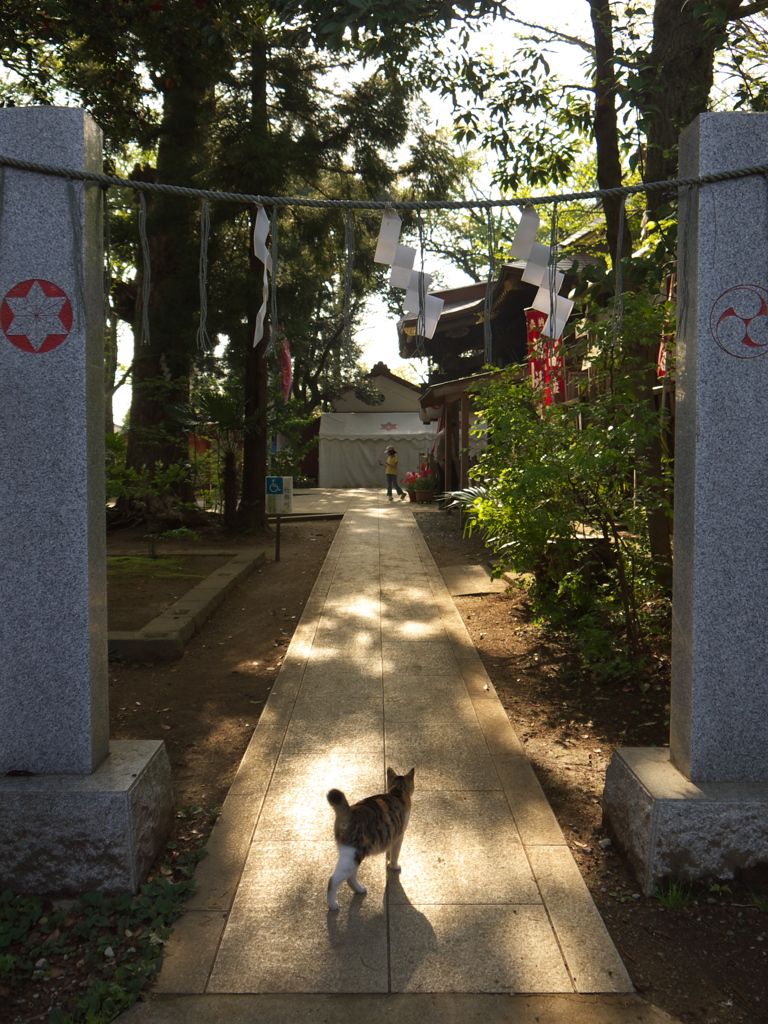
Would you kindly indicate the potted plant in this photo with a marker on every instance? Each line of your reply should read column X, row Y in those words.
column 421, row 486
column 409, row 485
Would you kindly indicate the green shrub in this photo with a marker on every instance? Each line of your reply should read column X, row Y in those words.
column 566, row 491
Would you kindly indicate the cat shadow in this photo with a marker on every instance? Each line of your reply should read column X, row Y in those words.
column 357, row 934
column 356, row 921
column 366, row 922
column 411, row 936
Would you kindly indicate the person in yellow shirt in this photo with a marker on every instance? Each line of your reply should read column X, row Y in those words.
column 390, row 466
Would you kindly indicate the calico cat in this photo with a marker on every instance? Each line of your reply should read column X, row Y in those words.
column 375, row 825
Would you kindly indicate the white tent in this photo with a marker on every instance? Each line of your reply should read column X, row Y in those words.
column 351, row 443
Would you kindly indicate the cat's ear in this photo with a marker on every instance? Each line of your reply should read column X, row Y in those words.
column 410, row 774
column 390, row 776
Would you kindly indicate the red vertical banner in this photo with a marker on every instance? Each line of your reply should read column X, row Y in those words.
column 546, row 362
column 661, row 359
column 537, row 347
column 555, row 370
column 667, row 335
column 286, row 368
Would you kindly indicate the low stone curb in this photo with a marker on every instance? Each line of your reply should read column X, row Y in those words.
column 165, row 637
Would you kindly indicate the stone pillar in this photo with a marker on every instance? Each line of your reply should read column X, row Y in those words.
column 68, row 810
column 700, row 808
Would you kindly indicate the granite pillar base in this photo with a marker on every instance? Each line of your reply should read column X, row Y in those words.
column 669, row 827
column 67, row 834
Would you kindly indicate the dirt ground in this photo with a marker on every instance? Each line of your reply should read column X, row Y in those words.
column 706, row 963
column 141, row 587
column 206, row 705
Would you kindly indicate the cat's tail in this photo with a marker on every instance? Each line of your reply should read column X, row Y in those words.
column 340, row 804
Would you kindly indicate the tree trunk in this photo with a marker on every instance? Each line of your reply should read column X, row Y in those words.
column 110, row 371
column 676, row 84
column 252, row 514
column 658, row 522
column 609, row 175
column 229, row 489
column 606, row 127
column 162, row 367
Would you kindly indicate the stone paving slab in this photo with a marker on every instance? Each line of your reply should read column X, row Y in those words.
column 450, row 868
column 480, row 948
column 277, row 942
column 592, row 958
column 450, row 1008
column 320, row 500
column 382, row 671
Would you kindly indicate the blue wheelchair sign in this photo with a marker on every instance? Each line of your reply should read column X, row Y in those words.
column 279, row 494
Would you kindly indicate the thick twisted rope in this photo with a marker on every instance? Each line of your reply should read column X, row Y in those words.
column 388, row 204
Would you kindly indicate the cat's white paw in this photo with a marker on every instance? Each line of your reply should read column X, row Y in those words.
column 332, row 905
column 394, row 867
column 359, row 888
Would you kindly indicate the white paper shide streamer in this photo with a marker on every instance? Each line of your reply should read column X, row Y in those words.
column 401, row 258
column 389, row 236
column 525, row 236
column 538, row 271
column 545, row 302
column 418, row 284
column 402, row 266
column 433, row 310
column 261, row 252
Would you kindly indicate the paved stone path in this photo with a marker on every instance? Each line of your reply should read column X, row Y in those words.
column 381, row 671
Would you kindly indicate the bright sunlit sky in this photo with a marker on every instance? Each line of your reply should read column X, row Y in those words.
column 378, row 334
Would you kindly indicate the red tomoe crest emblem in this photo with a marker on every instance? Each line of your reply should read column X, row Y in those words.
column 739, row 321
column 36, row 316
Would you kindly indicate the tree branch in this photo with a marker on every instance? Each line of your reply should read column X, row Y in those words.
column 563, row 37
column 748, row 11
column 122, row 380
